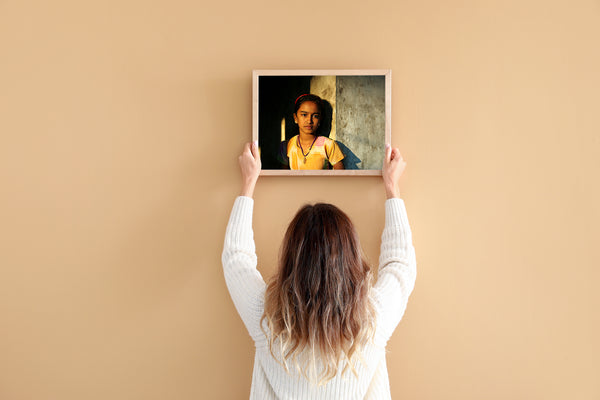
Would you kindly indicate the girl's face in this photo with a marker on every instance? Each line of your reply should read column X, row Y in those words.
column 308, row 117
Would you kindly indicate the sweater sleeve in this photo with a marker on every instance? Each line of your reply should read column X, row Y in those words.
column 246, row 285
column 397, row 269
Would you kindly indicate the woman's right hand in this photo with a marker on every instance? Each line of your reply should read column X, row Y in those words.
column 250, row 166
column 393, row 167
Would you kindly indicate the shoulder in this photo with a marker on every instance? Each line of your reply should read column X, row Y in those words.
column 292, row 141
column 322, row 141
column 328, row 143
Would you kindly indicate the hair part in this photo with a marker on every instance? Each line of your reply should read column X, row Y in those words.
column 317, row 306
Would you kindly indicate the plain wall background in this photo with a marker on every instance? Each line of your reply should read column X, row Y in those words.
column 121, row 122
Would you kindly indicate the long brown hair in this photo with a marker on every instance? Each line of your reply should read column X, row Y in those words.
column 319, row 299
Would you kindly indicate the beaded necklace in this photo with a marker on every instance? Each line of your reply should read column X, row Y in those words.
column 310, row 148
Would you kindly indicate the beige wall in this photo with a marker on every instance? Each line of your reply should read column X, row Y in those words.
column 121, row 122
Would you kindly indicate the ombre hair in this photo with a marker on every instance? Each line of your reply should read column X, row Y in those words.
column 317, row 306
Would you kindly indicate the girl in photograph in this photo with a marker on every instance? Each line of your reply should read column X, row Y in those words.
column 320, row 326
column 309, row 150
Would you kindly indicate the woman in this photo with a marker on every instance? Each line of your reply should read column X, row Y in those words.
column 309, row 150
column 320, row 328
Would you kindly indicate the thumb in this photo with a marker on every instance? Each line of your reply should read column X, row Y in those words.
column 254, row 149
column 388, row 152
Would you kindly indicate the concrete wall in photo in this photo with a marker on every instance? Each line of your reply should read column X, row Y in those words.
column 360, row 121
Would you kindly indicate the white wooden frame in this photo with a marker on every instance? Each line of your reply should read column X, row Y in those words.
column 387, row 73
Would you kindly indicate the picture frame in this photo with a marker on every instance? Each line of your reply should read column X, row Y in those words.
column 354, row 120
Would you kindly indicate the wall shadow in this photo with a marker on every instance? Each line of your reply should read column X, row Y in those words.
column 350, row 160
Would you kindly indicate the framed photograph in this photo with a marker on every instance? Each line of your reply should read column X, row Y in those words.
column 321, row 122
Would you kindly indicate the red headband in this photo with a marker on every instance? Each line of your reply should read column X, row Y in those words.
column 302, row 95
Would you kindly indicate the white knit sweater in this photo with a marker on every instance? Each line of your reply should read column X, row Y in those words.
column 396, row 278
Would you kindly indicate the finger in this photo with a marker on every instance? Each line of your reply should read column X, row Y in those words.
column 254, row 148
column 388, row 152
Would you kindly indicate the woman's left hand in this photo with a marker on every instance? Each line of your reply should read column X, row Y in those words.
column 250, row 167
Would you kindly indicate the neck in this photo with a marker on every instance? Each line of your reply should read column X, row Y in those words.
column 306, row 138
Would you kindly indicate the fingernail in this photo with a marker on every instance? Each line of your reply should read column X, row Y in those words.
column 387, row 146
column 256, row 142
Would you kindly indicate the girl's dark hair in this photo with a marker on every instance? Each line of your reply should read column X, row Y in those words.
column 308, row 97
column 319, row 298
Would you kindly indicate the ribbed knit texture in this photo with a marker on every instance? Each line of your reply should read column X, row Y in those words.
column 397, row 274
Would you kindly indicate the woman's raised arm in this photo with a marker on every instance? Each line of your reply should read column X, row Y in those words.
column 245, row 283
column 397, row 262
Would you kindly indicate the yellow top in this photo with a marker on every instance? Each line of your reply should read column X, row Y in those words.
column 323, row 151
